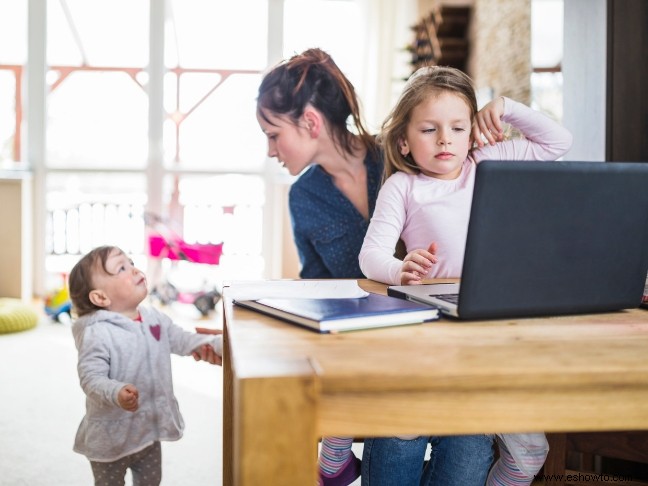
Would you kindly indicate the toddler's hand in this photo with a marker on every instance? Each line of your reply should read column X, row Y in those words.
column 417, row 264
column 207, row 353
column 128, row 398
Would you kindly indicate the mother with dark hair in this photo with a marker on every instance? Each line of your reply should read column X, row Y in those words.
column 305, row 107
column 310, row 114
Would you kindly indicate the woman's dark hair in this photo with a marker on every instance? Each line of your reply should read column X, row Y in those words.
column 80, row 281
column 312, row 77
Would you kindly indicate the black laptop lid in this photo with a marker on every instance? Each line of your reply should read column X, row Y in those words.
column 549, row 238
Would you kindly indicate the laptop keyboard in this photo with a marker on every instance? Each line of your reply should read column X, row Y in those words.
column 452, row 298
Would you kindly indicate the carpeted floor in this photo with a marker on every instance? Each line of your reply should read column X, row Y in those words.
column 41, row 405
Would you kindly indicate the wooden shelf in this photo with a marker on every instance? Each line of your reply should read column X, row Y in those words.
column 441, row 38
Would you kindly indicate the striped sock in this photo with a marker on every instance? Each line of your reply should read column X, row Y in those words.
column 334, row 454
column 507, row 472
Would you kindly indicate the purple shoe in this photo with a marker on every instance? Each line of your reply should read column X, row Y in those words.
column 345, row 476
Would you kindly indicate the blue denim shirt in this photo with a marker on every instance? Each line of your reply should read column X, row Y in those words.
column 327, row 228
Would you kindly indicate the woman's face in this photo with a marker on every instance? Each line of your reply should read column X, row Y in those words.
column 438, row 135
column 290, row 142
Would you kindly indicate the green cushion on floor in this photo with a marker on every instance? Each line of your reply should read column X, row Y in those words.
column 16, row 316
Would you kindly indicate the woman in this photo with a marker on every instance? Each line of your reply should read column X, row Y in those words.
column 304, row 106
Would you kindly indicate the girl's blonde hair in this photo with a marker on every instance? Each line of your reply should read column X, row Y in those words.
column 425, row 82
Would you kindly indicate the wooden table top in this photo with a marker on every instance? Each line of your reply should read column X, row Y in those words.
column 607, row 348
column 554, row 374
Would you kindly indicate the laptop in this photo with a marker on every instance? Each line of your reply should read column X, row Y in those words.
column 549, row 238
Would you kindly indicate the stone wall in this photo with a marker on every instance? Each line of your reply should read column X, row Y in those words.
column 500, row 45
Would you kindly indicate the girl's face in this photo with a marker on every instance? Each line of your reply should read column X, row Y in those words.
column 290, row 143
column 438, row 135
column 124, row 285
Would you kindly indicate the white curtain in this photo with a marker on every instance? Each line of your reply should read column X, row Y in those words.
column 387, row 35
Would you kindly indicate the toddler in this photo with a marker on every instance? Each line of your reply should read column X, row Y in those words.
column 124, row 366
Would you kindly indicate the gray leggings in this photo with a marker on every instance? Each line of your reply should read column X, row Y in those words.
column 145, row 465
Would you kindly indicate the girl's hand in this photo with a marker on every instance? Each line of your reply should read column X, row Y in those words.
column 128, row 398
column 417, row 264
column 488, row 123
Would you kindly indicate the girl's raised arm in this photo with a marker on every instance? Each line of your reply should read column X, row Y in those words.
column 544, row 138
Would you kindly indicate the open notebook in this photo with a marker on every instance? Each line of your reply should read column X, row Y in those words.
column 549, row 238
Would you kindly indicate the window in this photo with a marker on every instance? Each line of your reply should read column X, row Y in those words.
column 546, row 56
column 206, row 174
column 13, row 55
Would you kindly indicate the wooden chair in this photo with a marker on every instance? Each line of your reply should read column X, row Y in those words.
column 582, row 453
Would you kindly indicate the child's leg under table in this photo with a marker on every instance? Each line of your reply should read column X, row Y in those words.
column 521, row 457
column 337, row 461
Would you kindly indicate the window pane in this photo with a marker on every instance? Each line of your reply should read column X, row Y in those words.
column 547, row 94
column 546, row 57
column 222, row 132
column 13, row 32
column 7, row 116
column 13, row 55
column 88, row 210
column 97, row 119
column 220, row 209
column 346, row 49
column 546, row 33
column 82, row 32
column 224, row 35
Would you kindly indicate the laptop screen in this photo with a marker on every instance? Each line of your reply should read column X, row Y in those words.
column 555, row 237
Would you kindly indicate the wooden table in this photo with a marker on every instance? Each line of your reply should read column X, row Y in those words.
column 286, row 386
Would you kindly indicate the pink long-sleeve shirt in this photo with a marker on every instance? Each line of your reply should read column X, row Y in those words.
column 420, row 209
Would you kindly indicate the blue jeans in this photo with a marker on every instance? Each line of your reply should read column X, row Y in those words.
column 455, row 461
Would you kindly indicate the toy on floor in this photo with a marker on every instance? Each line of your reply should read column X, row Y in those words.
column 58, row 305
column 16, row 316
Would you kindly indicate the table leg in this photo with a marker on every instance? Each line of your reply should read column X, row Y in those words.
column 275, row 429
column 228, row 407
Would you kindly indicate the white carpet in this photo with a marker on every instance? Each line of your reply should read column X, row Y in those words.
column 41, row 405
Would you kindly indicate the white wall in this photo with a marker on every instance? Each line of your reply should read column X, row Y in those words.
column 15, row 237
column 584, row 77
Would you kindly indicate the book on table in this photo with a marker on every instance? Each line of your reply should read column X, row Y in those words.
column 343, row 314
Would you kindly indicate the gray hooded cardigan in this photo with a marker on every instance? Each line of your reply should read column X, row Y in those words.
column 114, row 351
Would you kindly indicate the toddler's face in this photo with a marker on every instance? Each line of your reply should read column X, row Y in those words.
column 124, row 284
column 438, row 135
